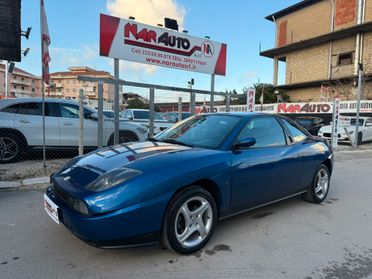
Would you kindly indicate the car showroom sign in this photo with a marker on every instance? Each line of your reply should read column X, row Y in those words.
column 137, row 42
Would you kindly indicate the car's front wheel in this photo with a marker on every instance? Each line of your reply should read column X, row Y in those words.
column 190, row 220
column 319, row 188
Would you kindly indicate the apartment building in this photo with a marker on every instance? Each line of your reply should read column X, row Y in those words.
column 320, row 44
column 66, row 85
column 21, row 84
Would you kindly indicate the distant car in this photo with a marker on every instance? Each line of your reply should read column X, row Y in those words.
column 142, row 116
column 364, row 134
column 21, row 127
column 311, row 123
column 175, row 187
column 173, row 116
column 109, row 114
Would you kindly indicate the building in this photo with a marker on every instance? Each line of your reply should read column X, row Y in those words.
column 321, row 43
column 66, row 85
column 20, row 84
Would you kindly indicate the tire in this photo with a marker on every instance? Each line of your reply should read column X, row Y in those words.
column 124, row 136
column 190, row 220
column 360, row 138
column 319, row 187
column 11, row 148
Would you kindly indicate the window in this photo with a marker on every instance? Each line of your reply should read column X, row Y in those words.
column 23, row 88
column 297, row 134
column 345, row 59
column 145, row 114
column 12, row 108
column 266, row 130
column 25, row 108
column 369, row 122
column 15, row 86
column 52, row 109
column 69, row 111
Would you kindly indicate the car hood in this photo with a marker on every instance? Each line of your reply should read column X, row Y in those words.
column 144, row 156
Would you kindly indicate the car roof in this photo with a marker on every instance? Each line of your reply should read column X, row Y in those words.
column 6, row 102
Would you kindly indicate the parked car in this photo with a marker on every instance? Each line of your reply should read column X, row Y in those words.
column 173, row 116
column 21, row 127
column 364, row 134
column 175, row 187
column 142, row 116
column 311, row 123
column 109, row 114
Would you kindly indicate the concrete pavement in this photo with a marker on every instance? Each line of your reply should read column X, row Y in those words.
column 291, row 239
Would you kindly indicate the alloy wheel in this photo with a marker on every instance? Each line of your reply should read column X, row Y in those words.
column 321, row 183
column 8, row 149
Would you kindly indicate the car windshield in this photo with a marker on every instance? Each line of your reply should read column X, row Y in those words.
column 206, row 131
column 353, row 122
column 304, row 122
column 145, row 114
column 109, row 114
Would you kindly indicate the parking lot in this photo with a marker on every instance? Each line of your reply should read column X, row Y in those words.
column 290, row 239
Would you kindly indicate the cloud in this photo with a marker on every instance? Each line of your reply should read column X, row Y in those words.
column 63, row 58
column 248, row 77
column 147, row 11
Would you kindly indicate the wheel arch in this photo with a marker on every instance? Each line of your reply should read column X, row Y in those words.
column 328, row 164
column 16, row 133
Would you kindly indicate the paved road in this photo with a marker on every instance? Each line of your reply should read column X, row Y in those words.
column 291, row 239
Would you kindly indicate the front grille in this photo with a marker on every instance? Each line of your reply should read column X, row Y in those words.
column 62, row 195
column 327, row 135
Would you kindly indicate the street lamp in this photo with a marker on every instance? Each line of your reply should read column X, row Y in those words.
column 26, row 33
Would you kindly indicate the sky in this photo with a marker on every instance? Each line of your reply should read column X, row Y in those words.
column 74, row 31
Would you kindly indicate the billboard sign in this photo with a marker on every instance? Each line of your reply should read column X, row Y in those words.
column 137, row 42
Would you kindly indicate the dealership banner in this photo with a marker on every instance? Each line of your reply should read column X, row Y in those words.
column 251, row 99
column 137, row 42
column 305, row 108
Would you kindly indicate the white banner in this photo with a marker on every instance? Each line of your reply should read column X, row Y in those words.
column 251, row 99
column 137, row 42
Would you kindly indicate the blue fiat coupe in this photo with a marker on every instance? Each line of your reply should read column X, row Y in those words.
column 173, row 188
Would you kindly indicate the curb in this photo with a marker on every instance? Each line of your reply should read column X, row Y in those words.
column 24, row 182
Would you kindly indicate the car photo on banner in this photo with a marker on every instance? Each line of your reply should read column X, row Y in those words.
column 174, row 188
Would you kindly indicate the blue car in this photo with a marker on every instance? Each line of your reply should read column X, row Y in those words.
column 173, row 188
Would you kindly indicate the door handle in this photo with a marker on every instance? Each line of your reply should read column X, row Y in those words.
column 68, row 124
column 24, row 121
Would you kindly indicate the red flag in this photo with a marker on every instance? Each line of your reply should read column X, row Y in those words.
column 45, row 42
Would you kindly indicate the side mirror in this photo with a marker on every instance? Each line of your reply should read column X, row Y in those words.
column 130, row 117
column 244, row 143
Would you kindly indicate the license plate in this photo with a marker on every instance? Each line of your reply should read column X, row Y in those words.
column 51, row 208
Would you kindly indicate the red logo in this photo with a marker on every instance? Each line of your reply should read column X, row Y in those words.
column 207, row 49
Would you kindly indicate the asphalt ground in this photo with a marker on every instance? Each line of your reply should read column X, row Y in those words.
column 290, row 239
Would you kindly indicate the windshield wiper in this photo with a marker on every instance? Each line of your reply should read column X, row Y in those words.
column 174, row 141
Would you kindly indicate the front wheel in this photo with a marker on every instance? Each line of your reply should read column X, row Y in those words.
column 319, row 188
column 190, row 221
column 10, row 149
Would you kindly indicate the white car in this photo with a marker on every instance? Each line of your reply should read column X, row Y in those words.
column 21, row 127
column 142, row 117
column 364, row 130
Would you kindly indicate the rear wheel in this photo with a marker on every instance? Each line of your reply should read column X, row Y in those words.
column 190, row 221
column 319, row 188
column 10, row 149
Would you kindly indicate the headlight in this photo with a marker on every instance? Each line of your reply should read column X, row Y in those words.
column 80, row 206
column 112, row 178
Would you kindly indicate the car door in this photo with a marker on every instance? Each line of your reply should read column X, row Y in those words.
column 70, row 127
column 368, row 129
column 29, row 121
column 265, row 171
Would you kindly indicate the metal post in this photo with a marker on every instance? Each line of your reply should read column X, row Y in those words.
column 43, row 117
column 152, row 113
column 81, row 117
column 192, row 101
column 228, row 103
column 116, row 101
column 360, row 89
column 6, row 79
column 179, row 108
column 100, row 114
column 211, row 107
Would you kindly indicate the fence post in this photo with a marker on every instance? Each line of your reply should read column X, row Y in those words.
column 211, row 106
column 81, row 116
column 116, row 101
column 228, row 103
column 179, row 108
column 100, row 114
column 192, row 103
column 152, row 113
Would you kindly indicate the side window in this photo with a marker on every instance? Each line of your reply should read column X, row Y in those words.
column 266, row 130
column 297, row 134
column 52, row 109
column 369, row 122
column 30, row 109
column 12, row 108
column 69, row 111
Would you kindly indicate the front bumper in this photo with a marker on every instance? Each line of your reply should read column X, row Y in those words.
column 341, row 137
column 133, row 226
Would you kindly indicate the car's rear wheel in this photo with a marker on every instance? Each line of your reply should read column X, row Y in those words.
column 10, row 149
column 190, row 220
column 319, row 188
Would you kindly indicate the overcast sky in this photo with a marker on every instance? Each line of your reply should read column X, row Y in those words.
column 74, row 31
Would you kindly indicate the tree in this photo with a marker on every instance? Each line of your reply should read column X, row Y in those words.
column 136, row 103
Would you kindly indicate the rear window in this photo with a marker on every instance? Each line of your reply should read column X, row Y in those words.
column 11, row 109
column 25, row 108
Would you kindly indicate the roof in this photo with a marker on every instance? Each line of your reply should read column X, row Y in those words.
column 6, row 102
column 299, row 6
column 81, row 73
column 19, row 71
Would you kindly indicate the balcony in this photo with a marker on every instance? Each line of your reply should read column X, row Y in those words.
column 21, row 82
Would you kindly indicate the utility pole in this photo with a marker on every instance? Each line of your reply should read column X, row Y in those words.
column 359, row 96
